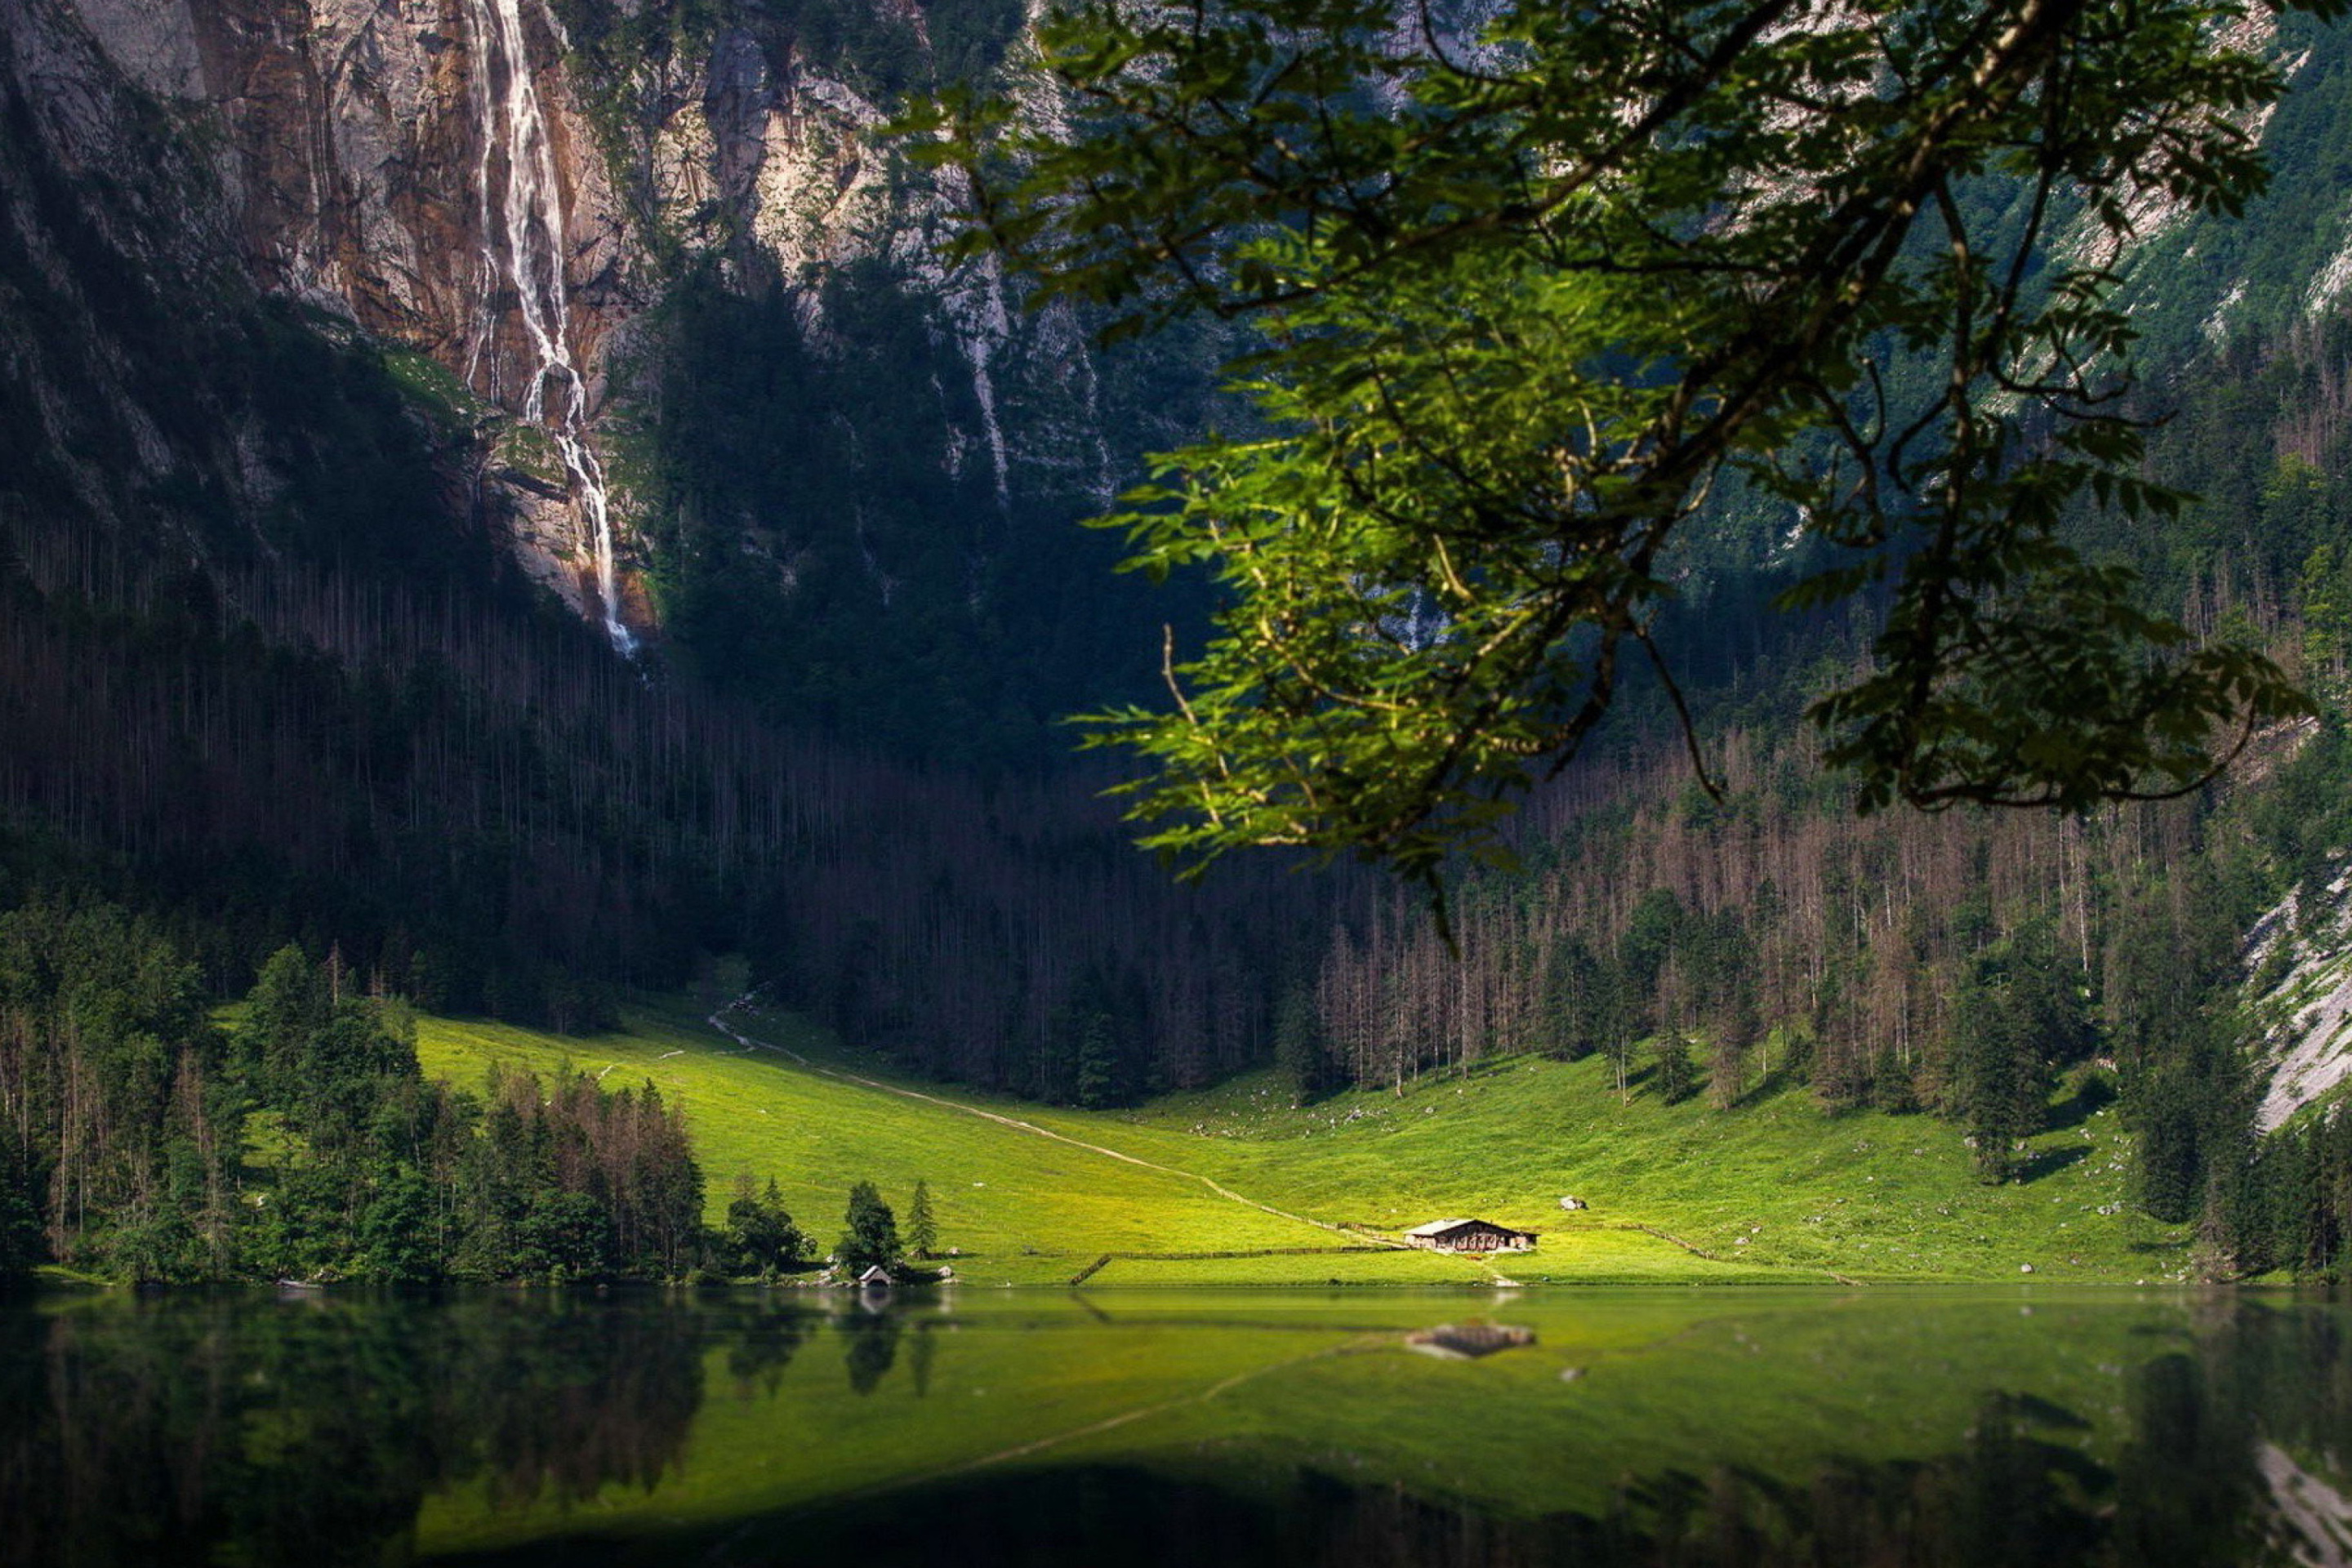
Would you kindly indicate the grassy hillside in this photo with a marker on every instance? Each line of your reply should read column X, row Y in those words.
column 1239, row 1186
column 1774, row 1182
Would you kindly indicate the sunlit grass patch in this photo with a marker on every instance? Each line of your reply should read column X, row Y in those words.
column 1018, row 1208
column 1775, row 1188
column 1387, row 1266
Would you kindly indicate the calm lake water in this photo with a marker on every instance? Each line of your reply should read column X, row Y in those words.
column 1690, row 1428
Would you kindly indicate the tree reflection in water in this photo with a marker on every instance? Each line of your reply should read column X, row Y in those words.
column 873, row 1334
column 243, row 1429
column 191, row 1429
column 2185, row 1488
column 2012, row 1499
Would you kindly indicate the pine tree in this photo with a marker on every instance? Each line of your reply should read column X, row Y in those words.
column 1097, row 1063
column 922, row 1229
column 1676, row 1076
column 1298, row 1043
column 1579, row 995
column 1726, row 1071
column 2001, row 1074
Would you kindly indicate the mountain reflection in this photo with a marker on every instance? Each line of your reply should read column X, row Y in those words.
column 1620, row 1429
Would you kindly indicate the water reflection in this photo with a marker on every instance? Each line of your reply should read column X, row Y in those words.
column 1468, row 1342
column 180, row 1429
column 1619, row 1428
column 872, row 1333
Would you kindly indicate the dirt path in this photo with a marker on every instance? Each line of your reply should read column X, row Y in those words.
column 717, row 1021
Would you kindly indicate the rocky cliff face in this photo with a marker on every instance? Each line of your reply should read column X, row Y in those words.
column 2300, row 998
column 467, row 183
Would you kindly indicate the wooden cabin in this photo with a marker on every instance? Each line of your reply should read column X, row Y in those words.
column 1469, row 1235
column 876, row 1277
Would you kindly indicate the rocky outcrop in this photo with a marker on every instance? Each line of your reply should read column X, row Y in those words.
column 2310, row 1519
column 2300, row 958
column 355, row 156
column 775, row 171
column 176, row 157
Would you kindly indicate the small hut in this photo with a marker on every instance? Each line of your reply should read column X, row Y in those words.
column 876, row 1277
column 1469, row 1235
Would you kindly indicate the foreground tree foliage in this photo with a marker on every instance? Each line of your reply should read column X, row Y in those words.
column 1526, row 294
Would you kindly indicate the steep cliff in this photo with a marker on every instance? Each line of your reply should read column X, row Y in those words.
column 199, row 192
column 327, row 330
column 505, row 198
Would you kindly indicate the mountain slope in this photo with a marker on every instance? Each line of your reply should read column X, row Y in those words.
column 1771, row 1190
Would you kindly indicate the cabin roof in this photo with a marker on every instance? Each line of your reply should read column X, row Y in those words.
column 1440, row 1227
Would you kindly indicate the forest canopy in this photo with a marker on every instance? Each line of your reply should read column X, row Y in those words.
column 1523, row 293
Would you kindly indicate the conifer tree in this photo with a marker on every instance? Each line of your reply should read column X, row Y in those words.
column 2001, row 1075
column 1676, row 1075
column 1097, row 1063
column 1298, row 1043
column 922, row 1229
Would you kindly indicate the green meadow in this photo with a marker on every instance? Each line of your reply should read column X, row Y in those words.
column 1241, row 1185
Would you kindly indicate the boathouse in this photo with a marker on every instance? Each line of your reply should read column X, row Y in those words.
column 1469, row 1235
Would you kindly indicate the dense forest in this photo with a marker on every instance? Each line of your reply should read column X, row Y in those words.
column 491, row 814
column 146, row 1144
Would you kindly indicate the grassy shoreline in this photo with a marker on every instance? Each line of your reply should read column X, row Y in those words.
column 1237, row 1185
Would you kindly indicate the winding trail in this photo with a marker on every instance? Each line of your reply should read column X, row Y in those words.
column 717, row 1021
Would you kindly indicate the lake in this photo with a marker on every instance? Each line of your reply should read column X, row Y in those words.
column 1682, row 1426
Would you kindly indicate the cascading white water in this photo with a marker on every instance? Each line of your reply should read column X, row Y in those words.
column 522, row 216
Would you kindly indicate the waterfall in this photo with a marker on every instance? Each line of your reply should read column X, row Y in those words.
column 521, row 218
